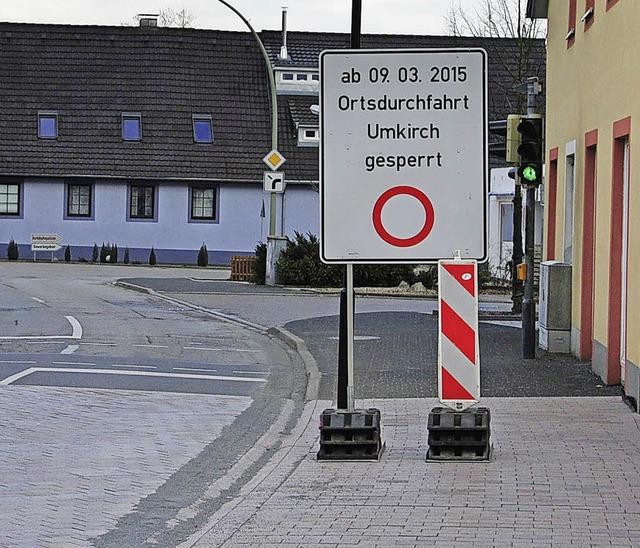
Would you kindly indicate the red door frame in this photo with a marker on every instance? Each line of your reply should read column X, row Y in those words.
column 588, row 246
column 621, row 131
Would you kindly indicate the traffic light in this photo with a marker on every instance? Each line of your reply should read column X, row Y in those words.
column 513, row 139
column 530, row 149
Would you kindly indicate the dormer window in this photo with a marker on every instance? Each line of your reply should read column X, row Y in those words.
column 47, row 125
column 131, row 126
column 308, row 136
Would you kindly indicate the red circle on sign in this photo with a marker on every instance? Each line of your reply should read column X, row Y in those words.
column 382, row 231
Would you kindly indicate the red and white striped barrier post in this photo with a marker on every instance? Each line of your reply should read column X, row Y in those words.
column 458, row 345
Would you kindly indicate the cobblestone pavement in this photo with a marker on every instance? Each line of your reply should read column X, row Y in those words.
column 109, row 468
column 563, row 473
column 91, row 455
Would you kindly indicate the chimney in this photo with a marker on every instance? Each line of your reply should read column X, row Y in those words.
column 148, row 19
column 283, row 49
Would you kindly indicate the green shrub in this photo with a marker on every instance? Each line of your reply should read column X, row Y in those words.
column 95, row 254
column 67, row 254
column 13, row 253
column 113, row 253
column 127, row 258
column 152, row 257
column 259, row 273
column 428, row 275
column 203, row 256
column 299, row 264
column 104, row 251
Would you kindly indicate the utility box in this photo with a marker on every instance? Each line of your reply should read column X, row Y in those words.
column 555, row 307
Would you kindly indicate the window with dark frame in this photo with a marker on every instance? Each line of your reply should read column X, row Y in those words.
column 47, row 125
column 142, row 202
column 131, row 127
column 9, row 199
column 203, row 204
column 79, row 200
column 202, row 128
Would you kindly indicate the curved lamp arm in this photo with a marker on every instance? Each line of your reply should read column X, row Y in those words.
column 272, row 80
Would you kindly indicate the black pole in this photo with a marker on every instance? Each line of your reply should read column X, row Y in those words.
column 356, row 23
column 343, row 380
column 528, row 303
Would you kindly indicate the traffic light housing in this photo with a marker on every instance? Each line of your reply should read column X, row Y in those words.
column 530, row 150
column 513, row 138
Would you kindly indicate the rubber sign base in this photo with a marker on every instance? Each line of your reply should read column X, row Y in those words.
column 459, row 435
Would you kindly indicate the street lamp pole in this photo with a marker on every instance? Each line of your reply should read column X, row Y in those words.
column 274, row 141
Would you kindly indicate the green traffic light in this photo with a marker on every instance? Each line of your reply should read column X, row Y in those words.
column 529, row 174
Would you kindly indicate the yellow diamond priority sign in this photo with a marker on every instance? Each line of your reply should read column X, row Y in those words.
column 274, row 159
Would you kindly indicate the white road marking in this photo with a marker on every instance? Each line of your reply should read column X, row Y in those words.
column 98, row 344
column 219, row 349
column 73, row 363
column 32, row 370
column 38, row 300
column 150, row 345
column 195, row 369
column 360, row 338
column 251, row 372
column 76, row 333
column 18, row 376
column 133, row 365
column 18, row 361
column 70, row 349
column 77, row 328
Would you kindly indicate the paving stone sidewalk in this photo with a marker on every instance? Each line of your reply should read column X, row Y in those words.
column 92, row 455
column 563, row 473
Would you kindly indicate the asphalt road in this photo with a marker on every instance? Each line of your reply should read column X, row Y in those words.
column 396, row 341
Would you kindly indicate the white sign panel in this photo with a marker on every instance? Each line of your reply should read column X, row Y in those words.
column 45, row 238
column 403, row 155
column 45, row 247
column 273, row 181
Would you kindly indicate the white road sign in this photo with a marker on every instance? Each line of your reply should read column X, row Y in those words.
column 45, row 238
column 273, row 181
column 45, row 247
column 403, row 174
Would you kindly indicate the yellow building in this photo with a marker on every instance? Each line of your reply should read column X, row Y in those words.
column 592, row 191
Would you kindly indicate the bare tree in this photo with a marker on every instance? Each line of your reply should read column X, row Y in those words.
column 503, row 19
column 172, row 18
column 169, row 17
column 506, row 19
column 494, row 19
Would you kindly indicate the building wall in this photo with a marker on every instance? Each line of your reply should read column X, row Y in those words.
column 176, row 239
column 592, row 83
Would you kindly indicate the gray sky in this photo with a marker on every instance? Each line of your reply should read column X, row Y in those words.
column 378, row 16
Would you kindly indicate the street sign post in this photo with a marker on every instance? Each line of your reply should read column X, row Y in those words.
column 403, row 155
column 45, row 241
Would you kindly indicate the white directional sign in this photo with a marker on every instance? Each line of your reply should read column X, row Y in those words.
column 403, row 155
column 45, row 247
column 273, row 181
column 45, row 238
column 45, row 241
